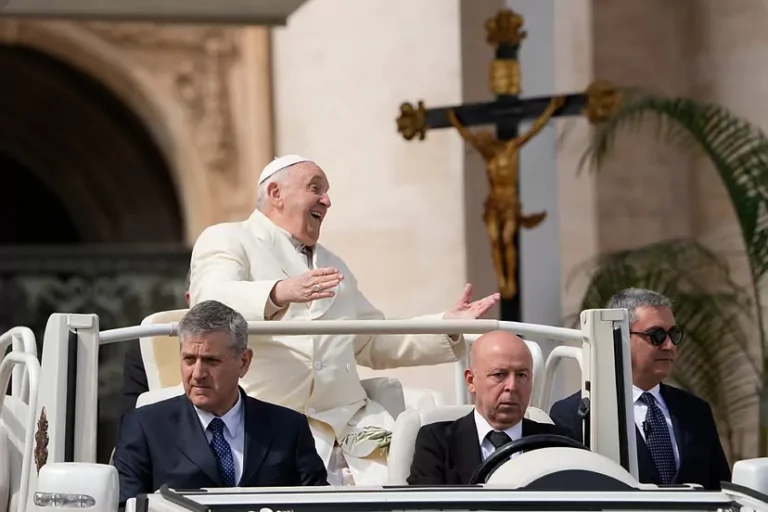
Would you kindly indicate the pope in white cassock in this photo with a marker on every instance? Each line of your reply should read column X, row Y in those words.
column 270, row 267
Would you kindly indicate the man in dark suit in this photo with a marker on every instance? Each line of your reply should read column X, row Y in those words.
column 214, row 435
column 677, row 440
column 134, row 374
column 500, row 377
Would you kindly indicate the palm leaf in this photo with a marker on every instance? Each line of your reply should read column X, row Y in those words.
column 714, row 361
column 737, row 149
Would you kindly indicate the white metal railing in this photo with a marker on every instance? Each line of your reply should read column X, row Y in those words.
column 32, row 371
column 21, row 339
column 316, row 327
column 470, row 328
column 596, row 337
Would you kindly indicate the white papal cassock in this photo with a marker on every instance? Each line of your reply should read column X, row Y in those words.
column 238, row 264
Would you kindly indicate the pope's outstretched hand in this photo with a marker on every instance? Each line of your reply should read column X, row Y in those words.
column 312, row 285
column 466, row 310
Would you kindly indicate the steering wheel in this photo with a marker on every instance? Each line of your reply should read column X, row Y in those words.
column 502, row 454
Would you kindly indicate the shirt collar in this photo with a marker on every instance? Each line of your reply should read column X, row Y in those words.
column 232, row 418
column 655, row 391
column 514, row 432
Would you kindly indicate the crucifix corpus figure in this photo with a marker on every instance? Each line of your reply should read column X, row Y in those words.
column 501, row 151
column 503, row 210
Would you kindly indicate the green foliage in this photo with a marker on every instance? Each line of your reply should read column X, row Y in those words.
column 738, row 151
column 716, row 360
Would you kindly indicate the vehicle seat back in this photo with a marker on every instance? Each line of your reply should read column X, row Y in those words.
column 160, row 354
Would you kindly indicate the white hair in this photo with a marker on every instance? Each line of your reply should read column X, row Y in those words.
column 262, row 191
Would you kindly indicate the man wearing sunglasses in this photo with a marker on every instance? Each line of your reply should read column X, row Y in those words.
column 677, row 440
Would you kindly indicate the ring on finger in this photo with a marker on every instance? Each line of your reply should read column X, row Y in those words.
column 316, row 288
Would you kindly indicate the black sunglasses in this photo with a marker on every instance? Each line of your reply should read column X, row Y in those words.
column 657, row 336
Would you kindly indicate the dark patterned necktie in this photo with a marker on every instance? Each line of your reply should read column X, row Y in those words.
column 658, row 440
column 307, row 253
column 498, row 439
column 221, row 448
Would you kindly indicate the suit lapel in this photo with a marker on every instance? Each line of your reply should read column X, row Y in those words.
column 466, row 448
column 322, row 258
column 192, row 442
column 530, row 428
column 678, row 426
column 280, row 247
column 259, row 433
column 645, row 466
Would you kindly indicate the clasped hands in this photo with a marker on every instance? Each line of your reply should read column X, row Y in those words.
column 319, row 283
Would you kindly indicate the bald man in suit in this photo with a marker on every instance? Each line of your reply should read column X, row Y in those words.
column 500, row 376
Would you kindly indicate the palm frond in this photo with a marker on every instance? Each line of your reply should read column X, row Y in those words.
column 382, row 437
column 714, row 361
column 737, row 149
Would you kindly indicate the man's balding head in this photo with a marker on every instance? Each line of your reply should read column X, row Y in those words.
column 500, row 375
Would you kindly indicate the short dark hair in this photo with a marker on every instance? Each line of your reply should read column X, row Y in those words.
column 213, row 316
column 632, row 298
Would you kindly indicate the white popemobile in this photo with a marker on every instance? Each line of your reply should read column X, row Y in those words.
column 48, row 432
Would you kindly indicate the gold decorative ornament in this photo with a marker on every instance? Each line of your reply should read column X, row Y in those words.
column 41, row 441
column 603, row 99
column 412, row 121
column 505, row 77
column 503, row 210
column 504, row 28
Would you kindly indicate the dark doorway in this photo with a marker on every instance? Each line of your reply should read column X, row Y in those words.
column 91, row 218
column 35, row 213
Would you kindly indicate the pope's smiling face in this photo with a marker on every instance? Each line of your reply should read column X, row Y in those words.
column 300, row 201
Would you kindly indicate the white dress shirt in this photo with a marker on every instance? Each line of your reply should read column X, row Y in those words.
column 483, row 427
column 234, row 432
column 641, row 410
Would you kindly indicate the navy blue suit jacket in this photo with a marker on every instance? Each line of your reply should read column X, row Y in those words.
column 164, row 443
column 702, row 460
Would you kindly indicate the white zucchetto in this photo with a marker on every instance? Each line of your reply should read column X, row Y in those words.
column 280, row 163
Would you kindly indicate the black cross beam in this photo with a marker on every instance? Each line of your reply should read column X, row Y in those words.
column 507, row 111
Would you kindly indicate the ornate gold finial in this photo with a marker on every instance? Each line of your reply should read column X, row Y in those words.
column 412, row 121
column 41, row 441
column 603, row 99
column 504, row 28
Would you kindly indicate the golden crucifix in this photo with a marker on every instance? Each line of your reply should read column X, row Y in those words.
column 503, row 209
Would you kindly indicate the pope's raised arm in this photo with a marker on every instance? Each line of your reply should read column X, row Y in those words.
column 392, row 351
